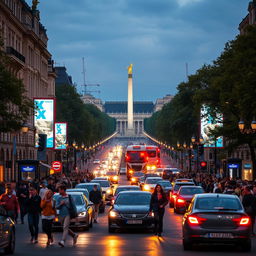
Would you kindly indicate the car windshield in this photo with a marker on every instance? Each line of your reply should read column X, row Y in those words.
column 191, row 191
column 164, row 183
column 151, row 153
column 87, row 186
column 110, row 173
column 133, row 199
column 177, row 186
column 78, row 199
column 84, row 191
column 118, row 190
column 138, row 174
column 104, row 183
column 218, row 203
column 152, row 181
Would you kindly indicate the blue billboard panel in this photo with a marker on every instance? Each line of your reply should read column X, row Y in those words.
column 44, row 119
column 208, row 124
column 60, row 135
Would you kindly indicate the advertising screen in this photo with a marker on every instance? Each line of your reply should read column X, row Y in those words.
column 44, row 119
column 60, row 135
column 208, row 123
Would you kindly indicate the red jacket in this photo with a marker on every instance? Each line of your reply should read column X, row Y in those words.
column 9, row 203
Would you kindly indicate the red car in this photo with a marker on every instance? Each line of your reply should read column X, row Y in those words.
column 185, row 196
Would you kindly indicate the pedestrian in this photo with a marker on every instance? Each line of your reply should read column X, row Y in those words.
column 10, row 203
column 157, row 204
column 34, row 209
column 22, row 194
column 95, row 196
column 248, row 203
column 48, row 215
column 43, row 190
column 218, row 188
column 63, row 204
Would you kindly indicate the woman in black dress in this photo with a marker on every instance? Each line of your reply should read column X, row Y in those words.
column 157, row 204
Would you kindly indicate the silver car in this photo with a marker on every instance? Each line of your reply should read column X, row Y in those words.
column 84, row 211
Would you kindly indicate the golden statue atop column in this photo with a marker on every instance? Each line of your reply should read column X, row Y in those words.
column 35, row 4
column 130, row 70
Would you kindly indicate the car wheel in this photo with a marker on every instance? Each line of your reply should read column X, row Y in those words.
column 175, row 210
column 111, row 230
column 247, row 245
column 187, row 245
column 11, row 245
column 91, row 223
column 170, row 205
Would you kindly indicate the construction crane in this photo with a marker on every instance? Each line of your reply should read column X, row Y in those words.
column 86, row 91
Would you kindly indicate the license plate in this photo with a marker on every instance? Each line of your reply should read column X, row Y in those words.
column 220, row 235
column 134, row 222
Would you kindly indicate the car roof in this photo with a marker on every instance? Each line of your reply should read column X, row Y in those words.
column 215, row 195
column 190, row 187
column 71, row 193
column 127, row 186
column 73, row 189
column 89, row 183
column 179, row 183
column 153, row 178
column 134, row 192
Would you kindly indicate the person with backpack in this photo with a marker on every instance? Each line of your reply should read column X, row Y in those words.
column 64, row 204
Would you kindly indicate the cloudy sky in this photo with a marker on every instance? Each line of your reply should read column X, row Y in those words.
column 157, row 36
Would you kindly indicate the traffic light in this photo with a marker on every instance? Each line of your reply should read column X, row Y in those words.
column 200, row 150
column 203, row 165
column 42, row 142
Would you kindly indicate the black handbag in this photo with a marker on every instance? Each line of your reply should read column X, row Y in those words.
column 72, row 208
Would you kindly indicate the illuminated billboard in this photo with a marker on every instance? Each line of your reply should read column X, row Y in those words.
column 208, row 123
column 60, row 135
column 44, row 119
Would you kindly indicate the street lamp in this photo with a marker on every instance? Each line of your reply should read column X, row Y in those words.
column 198, row 143
column 244, row 130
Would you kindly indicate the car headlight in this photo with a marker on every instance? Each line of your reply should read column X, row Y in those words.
column 113, row 214
column 133, row 179
column 146, row 187
column 130, row 171
column 109, row 191
column 115, row 178
column 82, row 214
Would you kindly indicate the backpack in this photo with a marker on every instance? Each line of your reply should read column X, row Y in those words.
column 72, row 209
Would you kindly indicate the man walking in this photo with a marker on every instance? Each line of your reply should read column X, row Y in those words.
column 22, row 194
column 9, row 201
column 95, row 196
column 33, row 208
column 63, row 204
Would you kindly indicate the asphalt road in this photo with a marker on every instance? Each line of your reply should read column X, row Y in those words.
column 97, row 241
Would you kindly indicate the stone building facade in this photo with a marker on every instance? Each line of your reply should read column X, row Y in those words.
column 25, row 41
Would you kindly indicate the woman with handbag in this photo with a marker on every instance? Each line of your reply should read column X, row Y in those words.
column 157, row 204
column 48, row 215
column 64, row 204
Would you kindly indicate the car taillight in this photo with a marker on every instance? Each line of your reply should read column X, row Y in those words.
column 195, row 220
column 244, row 221
column 180, row 201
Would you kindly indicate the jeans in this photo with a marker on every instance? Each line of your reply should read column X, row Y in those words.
column 66, row 230
column 47, row 227
column 33, row 222
column 158, row 219
column 96, row 208
column 22, row 211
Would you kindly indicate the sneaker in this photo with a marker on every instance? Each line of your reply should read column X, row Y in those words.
column 61, row 243
column 95, row 221
column 75, row 239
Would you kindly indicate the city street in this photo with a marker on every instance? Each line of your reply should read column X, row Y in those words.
column 97, row 241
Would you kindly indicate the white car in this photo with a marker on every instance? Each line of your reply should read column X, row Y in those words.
column 150, row 183
column 122, row 170
column 96, row 161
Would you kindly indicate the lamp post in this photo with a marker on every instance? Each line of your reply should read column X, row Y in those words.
column 74, row 147
column 249, row 131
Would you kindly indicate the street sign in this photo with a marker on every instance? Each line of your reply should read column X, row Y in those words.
column 57, row 166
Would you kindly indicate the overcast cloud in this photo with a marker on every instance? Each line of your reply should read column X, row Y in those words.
column 157, row 36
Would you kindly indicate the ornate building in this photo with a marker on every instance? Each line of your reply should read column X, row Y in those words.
column 250, row 18
column 25, row 41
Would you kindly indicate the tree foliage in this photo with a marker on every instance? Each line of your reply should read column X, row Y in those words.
column 15, row 106
column 86, row 123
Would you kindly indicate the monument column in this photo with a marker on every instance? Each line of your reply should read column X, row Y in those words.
column 130, row 128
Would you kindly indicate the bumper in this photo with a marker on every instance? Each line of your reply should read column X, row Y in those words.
column 197, row 234
column 122, row 223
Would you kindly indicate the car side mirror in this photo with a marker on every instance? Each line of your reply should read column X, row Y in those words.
column 90, row 203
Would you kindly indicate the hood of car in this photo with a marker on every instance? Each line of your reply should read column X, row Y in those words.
column 80, row 208
column 132, row 208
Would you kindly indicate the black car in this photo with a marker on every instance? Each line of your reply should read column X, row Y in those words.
column 216, row 218
column 169, row 172
column 89, row 187
column 131, row 210
column 7, row 232
column 166, row 185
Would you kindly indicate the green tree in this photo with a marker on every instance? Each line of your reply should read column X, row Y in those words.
column 15, row 106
